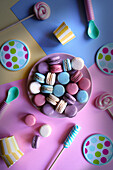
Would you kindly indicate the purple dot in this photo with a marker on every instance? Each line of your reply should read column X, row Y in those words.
column 26, row 56
column 8, row 64
column 106, row 70
column 107, row 144
column 112, row 52
column 105, row 151
column 87, row 143
column 105, row 50
column 7, row 56
column 103, row 160
column 5, row 48
column 24, row 48
column 86, row 151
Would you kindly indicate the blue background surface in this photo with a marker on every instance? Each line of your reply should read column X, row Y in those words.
column 73, row 13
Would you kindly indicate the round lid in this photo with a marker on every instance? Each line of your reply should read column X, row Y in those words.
column 14, row 55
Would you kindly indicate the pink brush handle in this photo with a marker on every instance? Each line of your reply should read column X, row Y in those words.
column 2, row 105
column 89, row 10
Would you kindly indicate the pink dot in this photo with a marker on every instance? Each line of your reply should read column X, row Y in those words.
column 87, row 143
column 86, row 151
column 5, row 48
column 112, row 71
column 107, row 143
column 24, row 48
column 112, row 52
column 105, row 151
column 106, row 70
column 103, row 160
column 7, row 56
column 105, row 50
column 8, row 64
column 26, row 56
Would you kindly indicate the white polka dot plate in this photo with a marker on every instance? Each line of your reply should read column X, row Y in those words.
column 14, row 55
column 104, row 59
column 98, row 149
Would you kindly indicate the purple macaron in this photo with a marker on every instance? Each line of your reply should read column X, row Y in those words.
column 48, row 109
column 69, row 98
column 35, row 141
column 43, row 67
column 71, row 111
column 54, row 60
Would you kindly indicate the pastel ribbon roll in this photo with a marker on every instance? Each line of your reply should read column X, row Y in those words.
column 10, row 151
column 89, row 10
column 70, row 138
column 104, row 101
column 64, row 34
column 42, row 10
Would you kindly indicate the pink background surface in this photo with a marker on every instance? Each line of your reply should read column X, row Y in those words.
column 90, row 119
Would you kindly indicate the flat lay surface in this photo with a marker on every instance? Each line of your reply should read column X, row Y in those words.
column 40, row 40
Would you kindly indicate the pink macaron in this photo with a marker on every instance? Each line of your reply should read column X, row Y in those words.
column 57, row 68
column 84, row 83
column 76, row 76
column 39, row 100
column 72, row 88
column 30, row 120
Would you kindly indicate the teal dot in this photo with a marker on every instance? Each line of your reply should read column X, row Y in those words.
column 99, row 146
column 18, row 45
column 16, row 66
column 11, row 43
column 14, row 59
column 21, row 61
column 13, row 51
column 92, row 148
column 96, row 161
column 107, row 57
column 89, row 156
column 102, row 64
column 20, row 53
column 110, row 65
column 93, row 140
column 97, row 154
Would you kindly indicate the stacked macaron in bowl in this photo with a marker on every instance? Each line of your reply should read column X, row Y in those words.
column 59, row 85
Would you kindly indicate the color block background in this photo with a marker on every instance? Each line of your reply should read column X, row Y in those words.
column 38, row 36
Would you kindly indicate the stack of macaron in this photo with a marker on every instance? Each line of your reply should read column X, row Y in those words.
column 58, row 84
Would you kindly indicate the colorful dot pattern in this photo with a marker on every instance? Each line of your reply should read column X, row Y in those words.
column 104, row 59
column 14, row 55
column 98, row 149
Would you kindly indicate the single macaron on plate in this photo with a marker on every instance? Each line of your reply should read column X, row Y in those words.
column 62, row 82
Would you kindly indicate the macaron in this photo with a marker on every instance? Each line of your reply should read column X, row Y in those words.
column 70, row 111
column 39, row 77
column 48, row 109
column 43, row 67
column 76, row 76
column 35, row 141
column 67, row 65
column 56, row 68
column 46, row 89
column 61, row 106
column 45, row 130
column 54, row 60
column 77, row 63
column 84, row 83
column 58, row 90
column 82, row 96
column 69, row 98
column 50, row 79
column 63, row 78
column 30, row 120
column 72, row 88
column 39, row 100
column 52, row 99
column 35, row 87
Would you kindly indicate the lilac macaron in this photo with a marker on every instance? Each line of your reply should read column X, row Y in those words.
column 54, row 60
column 48, row 109
column 71, row 111
column 69, row 98
column 43, row 67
